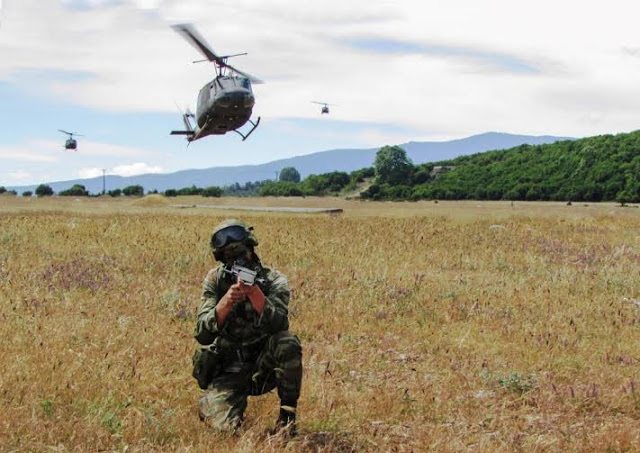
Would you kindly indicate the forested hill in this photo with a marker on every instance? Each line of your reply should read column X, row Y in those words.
column 602, row 168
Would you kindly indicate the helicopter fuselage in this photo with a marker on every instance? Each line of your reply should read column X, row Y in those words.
column 224, row 104
column 70, row 144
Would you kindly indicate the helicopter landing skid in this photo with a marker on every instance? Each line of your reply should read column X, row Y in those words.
column 246, row 136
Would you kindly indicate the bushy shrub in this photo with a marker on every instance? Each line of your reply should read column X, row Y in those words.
column 77, row 190
column 133, row 191
column 281, row 189
column 44, row 190
column 212, row 191
column 193, row 190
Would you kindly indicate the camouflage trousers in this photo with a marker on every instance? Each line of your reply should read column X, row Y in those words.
column 279, row 365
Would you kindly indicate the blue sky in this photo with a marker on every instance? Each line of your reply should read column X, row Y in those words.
column 395, row 71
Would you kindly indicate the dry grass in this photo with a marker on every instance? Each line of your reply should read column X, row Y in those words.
column 448, row 327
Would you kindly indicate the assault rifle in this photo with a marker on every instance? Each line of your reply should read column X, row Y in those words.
column 248, row 276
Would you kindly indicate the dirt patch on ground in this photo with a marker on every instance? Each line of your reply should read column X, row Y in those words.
column 152, row 201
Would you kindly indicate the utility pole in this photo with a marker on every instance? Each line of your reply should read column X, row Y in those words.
column 277, row 175
column 104, row 185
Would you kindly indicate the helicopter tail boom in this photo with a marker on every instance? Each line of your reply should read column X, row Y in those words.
column 189, row 132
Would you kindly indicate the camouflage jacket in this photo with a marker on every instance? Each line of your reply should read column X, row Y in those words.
column 243, row 327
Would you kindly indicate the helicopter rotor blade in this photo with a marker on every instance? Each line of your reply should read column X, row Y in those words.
column 189, row 33
column 65, row 132
column 253, row 79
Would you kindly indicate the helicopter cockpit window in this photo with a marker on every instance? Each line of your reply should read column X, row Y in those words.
column 226, row 82
column 244, row 82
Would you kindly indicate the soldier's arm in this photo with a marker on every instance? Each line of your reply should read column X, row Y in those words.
column 234, row 295
column 275, row 311
column 207, row 327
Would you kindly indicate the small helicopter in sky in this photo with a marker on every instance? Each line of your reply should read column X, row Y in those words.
column 71, row 143
column 226, row 102
column 325, row 107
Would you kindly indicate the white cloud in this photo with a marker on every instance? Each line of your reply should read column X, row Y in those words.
column 147, row 4
column 44, row 160
column 374, row 137
column 86, row 173
column 89, row 148
column 18, row 177
column 139, row 168
column 137, row 63
column 32, row 151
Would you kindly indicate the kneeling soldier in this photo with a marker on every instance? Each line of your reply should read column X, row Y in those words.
column 242, row 325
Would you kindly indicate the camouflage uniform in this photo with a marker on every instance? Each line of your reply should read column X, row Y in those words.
column 257, row 352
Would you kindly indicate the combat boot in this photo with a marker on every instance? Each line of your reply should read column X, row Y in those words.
column 286, row 423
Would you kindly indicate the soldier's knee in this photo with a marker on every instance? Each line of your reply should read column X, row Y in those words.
column 220, row 410
column 288, row 347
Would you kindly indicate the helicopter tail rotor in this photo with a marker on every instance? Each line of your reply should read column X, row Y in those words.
column 188, row 129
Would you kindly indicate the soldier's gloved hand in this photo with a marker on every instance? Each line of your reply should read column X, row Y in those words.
column 254, row 294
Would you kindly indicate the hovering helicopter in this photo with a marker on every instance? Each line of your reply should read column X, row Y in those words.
column 325, row 107
column 226, row 102
column 70, row 143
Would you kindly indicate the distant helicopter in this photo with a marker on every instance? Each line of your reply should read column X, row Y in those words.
column 325, row 106
column 226, row 102
column 70, row 143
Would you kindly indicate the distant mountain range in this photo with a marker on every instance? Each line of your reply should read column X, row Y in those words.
column 321, row 162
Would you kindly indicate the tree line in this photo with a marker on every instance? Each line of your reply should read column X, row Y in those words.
column 601, row 168
column 288, row 184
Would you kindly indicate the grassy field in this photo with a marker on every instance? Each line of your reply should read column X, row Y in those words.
column 456, row 326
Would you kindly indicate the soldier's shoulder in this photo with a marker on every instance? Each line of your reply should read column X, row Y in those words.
column 274, row 275
column 213, row 273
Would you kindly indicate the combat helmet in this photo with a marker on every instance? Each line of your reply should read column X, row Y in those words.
column 232, row 231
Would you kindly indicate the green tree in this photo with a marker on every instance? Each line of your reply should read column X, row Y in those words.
column 193, row 190
column 2, row 189
column 77, row 190
column 281, row 189
column 134, row 191
column 44, row 190
column 360, row 175
column 623, row 197
column 171, row 193
column 115, row 193
column 289, row 174
column 212, row 191
column 27, row 193
column 392, row 166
